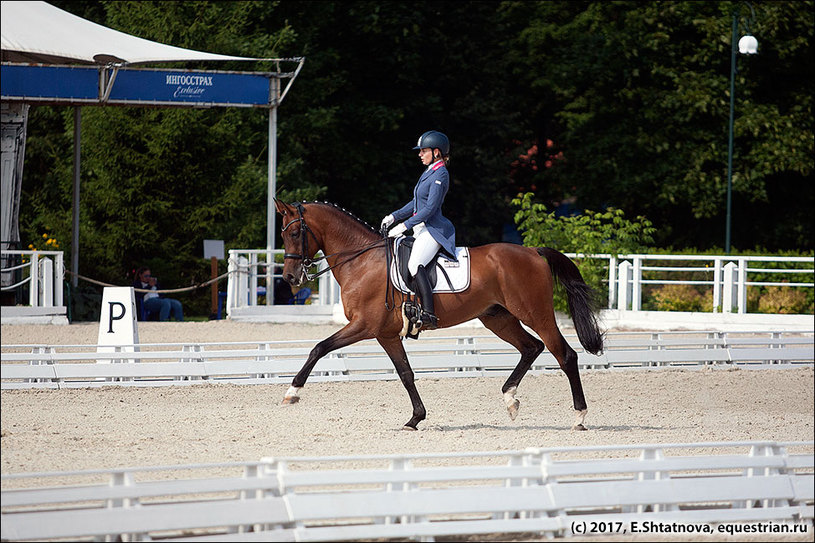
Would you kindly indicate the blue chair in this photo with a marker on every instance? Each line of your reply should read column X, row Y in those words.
column 302, row 295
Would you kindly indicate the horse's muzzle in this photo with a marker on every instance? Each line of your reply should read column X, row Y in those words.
column 296, row 279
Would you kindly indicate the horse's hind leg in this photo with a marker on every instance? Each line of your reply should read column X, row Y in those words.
column 567, row 358
column 396, row 352
column 504, row 325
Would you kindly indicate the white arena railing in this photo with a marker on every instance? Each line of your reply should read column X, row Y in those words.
column 728, row 277
column 43, row 366
column 740, row 488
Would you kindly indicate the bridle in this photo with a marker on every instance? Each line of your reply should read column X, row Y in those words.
column 309, row 262
column 304, row 231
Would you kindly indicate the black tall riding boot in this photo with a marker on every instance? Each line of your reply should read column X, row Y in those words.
column 422, row 284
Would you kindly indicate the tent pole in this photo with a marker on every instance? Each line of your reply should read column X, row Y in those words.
column 75, row 232
column 272, row 190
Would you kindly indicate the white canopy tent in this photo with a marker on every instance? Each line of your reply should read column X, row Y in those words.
column 38, row 33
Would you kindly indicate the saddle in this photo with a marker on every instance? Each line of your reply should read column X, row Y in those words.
column 403, row 248
column 444, row 275
column 455, row 277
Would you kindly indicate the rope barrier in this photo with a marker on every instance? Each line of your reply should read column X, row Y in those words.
column 21, row 283
column 162, row 291
column 241, row 269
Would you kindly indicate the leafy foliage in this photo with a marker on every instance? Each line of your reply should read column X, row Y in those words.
column 588, row 234
column 616, row 106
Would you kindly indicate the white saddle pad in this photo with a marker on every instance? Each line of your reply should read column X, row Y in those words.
column 458, row 272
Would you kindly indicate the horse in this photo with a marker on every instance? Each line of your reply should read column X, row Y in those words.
column 510, row 284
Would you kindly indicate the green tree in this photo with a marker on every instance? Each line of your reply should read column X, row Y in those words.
column 620, row 104
column 591, row 233
column 636, row 95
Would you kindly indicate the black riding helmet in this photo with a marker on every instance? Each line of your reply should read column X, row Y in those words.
column 433, row 139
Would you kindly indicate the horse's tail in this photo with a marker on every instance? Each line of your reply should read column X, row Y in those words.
column 583, row 305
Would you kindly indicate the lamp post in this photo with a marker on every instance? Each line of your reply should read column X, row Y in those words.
column 749, row 46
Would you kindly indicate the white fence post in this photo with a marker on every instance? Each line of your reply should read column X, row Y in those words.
column 612, row 282
column 59, row 279
column 717, row 285
column 624, row 285
column 729, row 295
column 34, row 285
column 47, row 282
column 742, row 285
column 636, row 286
column 252, row 286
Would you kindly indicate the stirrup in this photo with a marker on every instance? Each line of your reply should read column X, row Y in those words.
column 429, row 321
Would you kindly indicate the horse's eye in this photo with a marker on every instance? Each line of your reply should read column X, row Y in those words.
column 295, row 234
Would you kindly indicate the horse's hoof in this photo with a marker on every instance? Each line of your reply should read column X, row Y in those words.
column 579, row 427
column 513, row 408
column 290, row 400
column 408, row 428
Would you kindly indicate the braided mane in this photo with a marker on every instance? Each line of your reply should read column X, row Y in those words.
column 345, row 212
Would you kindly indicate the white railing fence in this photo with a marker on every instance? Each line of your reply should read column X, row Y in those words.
column 43, row 272
column 554, row 492
column 41, row 366
column 728, row 276
column 250, row 276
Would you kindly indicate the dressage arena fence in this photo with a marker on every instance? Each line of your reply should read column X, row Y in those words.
column 744, row 487
column 276, row 362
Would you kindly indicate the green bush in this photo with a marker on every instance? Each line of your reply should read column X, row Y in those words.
column 677, row 297
column 784, row 301
column 591, row 233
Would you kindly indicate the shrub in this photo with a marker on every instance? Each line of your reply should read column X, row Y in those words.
column 786, row 301
column 589, row 233
column 678, row 298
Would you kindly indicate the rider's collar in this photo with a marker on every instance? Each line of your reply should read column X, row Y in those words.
column 436, row 165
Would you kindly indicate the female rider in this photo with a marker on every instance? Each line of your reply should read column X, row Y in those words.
column 431, row 230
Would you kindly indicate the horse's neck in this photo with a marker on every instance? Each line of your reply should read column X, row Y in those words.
column 336, row 241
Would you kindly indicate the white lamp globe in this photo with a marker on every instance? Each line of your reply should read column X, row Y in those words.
column 748, row 45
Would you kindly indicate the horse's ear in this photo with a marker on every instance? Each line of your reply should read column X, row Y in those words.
column 281, row 207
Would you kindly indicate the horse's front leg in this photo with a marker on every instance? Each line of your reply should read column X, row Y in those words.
column 351, row 333
column 396, row 352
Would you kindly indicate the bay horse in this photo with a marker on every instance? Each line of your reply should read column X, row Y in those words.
column 510, row 284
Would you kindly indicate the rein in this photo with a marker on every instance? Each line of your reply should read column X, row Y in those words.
column 308, row 262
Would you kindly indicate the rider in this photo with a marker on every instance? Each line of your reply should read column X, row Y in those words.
column 431, row 230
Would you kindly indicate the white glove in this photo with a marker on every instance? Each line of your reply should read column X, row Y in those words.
column 386, row 222
column 397, row 230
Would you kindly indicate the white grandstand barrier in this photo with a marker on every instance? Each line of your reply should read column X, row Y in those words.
column 552, row 491
column 36, row 366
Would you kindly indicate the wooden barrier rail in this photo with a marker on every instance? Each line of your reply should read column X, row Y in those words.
column 465, row 356
column 553, row 492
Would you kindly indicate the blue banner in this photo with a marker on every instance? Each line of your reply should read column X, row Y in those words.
column 194, row 88
column 39, row 83
column 69, row 84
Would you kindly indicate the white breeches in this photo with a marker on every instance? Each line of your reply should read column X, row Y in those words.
column 424, row 248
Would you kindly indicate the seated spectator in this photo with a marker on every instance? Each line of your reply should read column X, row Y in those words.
column 282, row 292
column 153, row 303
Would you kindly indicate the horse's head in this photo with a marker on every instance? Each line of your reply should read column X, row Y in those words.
column 299, row 242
